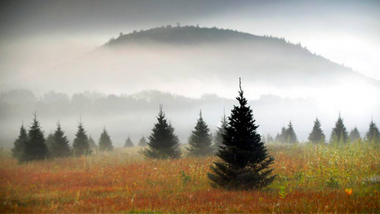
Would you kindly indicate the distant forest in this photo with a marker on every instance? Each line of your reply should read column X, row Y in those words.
column 195, row 34
column 132, row 115
column 24, row 101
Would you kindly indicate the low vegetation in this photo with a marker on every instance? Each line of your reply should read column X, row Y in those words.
column 310, row 178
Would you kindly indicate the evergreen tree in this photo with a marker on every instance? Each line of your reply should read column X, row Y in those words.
column 92, row 144
column 373, row 134
column 60, row 146
column 278, row 138
column 339, row 133
column 218, row 140
column 128, row 143
column 19, row 145
column 200, row 139
column 162, row 143
column 143, row 142
column 36, row 148
column 334, row 139
column 281, row 138
column 245, row 160
column 269, row 138
column 316, row 136
column 81, row 145
column 354, row 135
column 105, row 143
column 49, row 142
column 290, row 135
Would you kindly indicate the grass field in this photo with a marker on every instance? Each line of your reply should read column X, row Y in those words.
column 310, row 179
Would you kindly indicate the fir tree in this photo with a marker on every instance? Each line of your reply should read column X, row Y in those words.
column 218, row 140
column 354, row 135
column 105, row 143
column 245, row 160
column 92, row 144
column 373, row 134
column 200, row 139
column 334, row 139
column 128, row 143
column 281, row 138
column 19, row 145
column 81, row 145
column 339, row 133
column 60, row 146
column 269, row 138
column 277, row 138
column 162, row 143
column 142, row 142
column 290, row 135
column 49, row 142
column 316, row 136
column 36, row 148
column 263, row 139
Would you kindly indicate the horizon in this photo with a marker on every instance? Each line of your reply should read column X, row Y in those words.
column 322, row 47
column 52, row 107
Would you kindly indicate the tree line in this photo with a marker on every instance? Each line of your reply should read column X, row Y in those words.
column 339, row 134
column 244, row 162
column 31, row 144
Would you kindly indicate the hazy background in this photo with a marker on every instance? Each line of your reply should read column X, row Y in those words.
column 50, row 46
column 344, row 31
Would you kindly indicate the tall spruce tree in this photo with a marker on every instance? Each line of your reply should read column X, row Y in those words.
column 290, row 135
column 92, row 144
column 277, row 138
column 128, row 143
column 339, row 133
column 49, row 142
column 316, row 136
column 218, row 139
column 105, row 143
column 373, row 134
column 36, row 148
column 269, row 139
column 281, row 137
column 244, row 158
column 142, row 142
column 19, row 145
column 163, row 144
column 200, row 139
column 354, row 135
column 81, row 145
column 60, row 147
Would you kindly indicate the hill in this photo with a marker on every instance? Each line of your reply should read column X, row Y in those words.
column 188, row 35
column 255, row 57
column 208, row 60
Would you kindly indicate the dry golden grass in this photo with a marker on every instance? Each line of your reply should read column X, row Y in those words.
column 310, row 179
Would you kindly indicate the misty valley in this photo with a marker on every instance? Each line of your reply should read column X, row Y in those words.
column 190, row 119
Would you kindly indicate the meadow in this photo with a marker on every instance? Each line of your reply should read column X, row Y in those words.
column 310, row 178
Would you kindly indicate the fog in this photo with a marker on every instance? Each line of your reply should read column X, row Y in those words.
column 57, row 63
column 31, row 31
column 134, row 115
